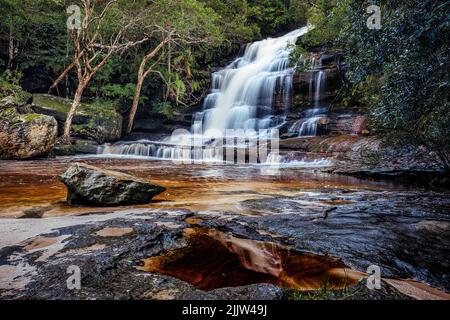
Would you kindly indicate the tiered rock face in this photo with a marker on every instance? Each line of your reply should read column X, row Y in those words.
column 24, row 134
column 91, row 122
column 339, row 119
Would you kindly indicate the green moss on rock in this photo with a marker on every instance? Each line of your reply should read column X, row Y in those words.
column 98, row 121
column 31, row 117
column 25, row 136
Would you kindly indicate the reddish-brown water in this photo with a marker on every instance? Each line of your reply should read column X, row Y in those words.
column 33, row 189
column 218, row 259
column 214, row 259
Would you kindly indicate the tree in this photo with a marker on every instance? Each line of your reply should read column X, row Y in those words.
column 34, row 43
column 184, row 24
column 408, row 61
column 13, row 23
column 103, row 33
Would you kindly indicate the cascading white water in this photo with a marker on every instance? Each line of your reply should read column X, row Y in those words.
column 241, row 98
column 163, row 150
column 320, row 88
column 242, row 93
column 308, row 127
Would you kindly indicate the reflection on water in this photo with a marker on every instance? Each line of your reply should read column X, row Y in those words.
column 34, row 185
column 215, row 259
column 344, row 215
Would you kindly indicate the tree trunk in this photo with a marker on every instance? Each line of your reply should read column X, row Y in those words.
column 73, row 109
column 11, row 49
column 137, row 96
column 142, row 74
column 61, row 77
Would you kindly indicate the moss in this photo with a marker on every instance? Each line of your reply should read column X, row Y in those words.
column 11, row 117
column 61, row 149
column 22, row 98
column 30, row 117
column 14, row 96
column 8, row 113
column 15, row 120
column 52, row 102
column 102, row 121
column 317, row 295
column 95, row 109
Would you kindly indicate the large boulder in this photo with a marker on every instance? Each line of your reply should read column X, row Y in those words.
column 97, row 121
column 24, row 135
column 89, row 185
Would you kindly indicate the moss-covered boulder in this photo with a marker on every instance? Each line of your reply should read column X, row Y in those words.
column 24, row 135
column 96, row 121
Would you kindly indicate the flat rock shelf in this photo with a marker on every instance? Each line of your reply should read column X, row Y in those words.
column 222, row 232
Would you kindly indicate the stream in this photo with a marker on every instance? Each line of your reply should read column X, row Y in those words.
column 405, row 231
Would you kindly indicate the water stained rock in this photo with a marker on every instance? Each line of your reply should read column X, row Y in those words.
column 403, row 231
column 406, row 234
column 91, row 185
column 215, row 259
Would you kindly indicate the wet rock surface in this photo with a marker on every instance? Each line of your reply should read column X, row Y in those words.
column 215, row 259
column 78, row 146
column 23, row 134
column 250, row 292
column 370, row 157
column 109, row 264
column 356, row 227
column 90, row 185
column 365, row 228
column 358, row 222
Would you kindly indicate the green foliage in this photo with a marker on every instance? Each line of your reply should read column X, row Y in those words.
column 122, row 94
column 408, row 56
column 164, row 108
column 234, row 20
column 364, row 93
column 117, row 91
column 37, row 31
column 10, row 78
column 272, row 15
column 328, row 17
column 10, row 83
column 324, row 293
column 399, row 72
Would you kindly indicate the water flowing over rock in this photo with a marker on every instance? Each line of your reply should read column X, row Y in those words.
column 242, row 98
column 242, row 93
column 24, row 135
column 90, row 185
column 308, row 126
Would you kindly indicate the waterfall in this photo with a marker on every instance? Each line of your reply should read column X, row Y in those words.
column 308, row 126
column 320, row 88
column 162, row 150
column 304, row 162
column 241, row 98
column 242, row 94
